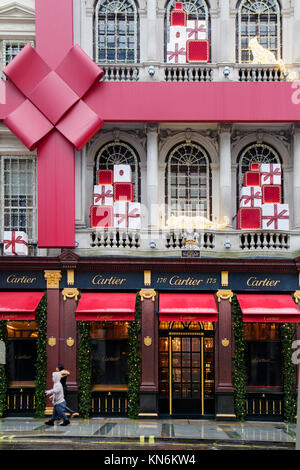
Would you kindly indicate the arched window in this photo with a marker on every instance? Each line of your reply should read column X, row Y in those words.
column 117, row 153
column 260, row 19
column 254, row 153
column 188, row 181
column 195, row 9
column 116, row 31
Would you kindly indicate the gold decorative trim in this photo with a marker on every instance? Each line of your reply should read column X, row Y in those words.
column 224, row 278
column 52, row 341
column 70, row 342
column 147, row 341
column 70, row 277
column 147, row 278
column 52, row 278
column 224, row 295
column 70, row 293
column 297, row 296
column 225, row 342
column 147, row 294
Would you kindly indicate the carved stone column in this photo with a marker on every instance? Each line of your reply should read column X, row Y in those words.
column 149, row 345
column 225, row 190
column 53, row 314
column 223, row 358
column 152, row 175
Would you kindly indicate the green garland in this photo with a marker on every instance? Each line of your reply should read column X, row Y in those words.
column 41, row 362
column 134, row 362
column 289, row 373
column 84, row 370
column 3, row 377
column 239, row 369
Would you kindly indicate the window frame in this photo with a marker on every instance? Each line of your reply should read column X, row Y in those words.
column 97, row 36
column 123, row 159
column 240, row 21
column 168, row 184
column 8, row 210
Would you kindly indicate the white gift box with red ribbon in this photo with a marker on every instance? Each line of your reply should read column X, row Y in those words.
column 15, row 243
column 176, row 53
column 275, row 217
column 196, row 29
column 270, row 173
column 122, row 174
column 251, row 196
column 103, row 195
column 127, row 215
column 177, row 34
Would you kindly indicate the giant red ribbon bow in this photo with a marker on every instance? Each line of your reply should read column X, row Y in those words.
column 53, row 98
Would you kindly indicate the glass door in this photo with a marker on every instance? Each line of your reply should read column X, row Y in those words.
column 186, row 374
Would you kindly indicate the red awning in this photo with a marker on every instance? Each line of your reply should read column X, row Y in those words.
column 19, row 305
column 263, row 308
column 99, row 306
column 187, row 307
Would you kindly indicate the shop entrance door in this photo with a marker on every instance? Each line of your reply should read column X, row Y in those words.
column 186, row 370
column 186, row 374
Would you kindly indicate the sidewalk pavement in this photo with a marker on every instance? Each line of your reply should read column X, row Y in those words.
column 152, row 431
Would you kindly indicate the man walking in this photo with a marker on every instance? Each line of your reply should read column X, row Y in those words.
column 58, row 401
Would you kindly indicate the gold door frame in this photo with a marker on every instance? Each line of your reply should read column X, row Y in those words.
column 173, row 333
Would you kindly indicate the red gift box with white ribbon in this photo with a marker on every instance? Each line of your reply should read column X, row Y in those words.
column 178, row 15
column 254, row 166
column 127, row 215
column 270, row 173
column 15, row 243
column 251, row 196
column 252, row 178
column 123, row 192
column 102, row 216
column 197, row 50
column 103, row 195
column 249, row 218
column 275, row 217
column 271, row 194
column 104, row 177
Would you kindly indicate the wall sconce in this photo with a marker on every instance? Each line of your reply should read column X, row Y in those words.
column 227, row 244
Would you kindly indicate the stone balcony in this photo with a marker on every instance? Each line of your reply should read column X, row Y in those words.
column 191, row 73
column 172, row 243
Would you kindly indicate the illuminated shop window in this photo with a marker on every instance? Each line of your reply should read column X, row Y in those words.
column 254, row 153
column 263, row 354
column 195, row 9
column 109, row 342
column 21, row 352
column 120, row 153
column 18, row 194
column 116, row 31
column 260, row 19
column 188, row 181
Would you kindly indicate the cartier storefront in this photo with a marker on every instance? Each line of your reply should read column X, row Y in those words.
column 186, row 342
